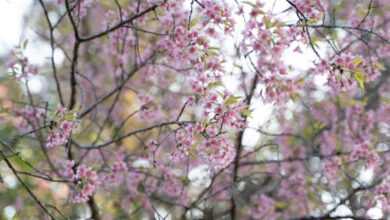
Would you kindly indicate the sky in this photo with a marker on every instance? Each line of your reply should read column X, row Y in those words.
column 11, row 20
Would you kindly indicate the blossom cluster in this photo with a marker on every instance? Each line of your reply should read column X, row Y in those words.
column 30, row 115
column 117, row 173
column 218, row 152
column 382, row 192
column 63, row 125
column 19, row 64
column 264, row 208
column 311, row 9
column 347, row 72
column 85, row 181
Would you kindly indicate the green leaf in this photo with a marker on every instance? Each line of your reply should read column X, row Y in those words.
column 357, row 61
column 214, row 48
column 360, row 78
column 71, row 115
column 267, row 22
column 312, row 129
column 185, row 180
column 20, row 162
column 294, row 96
column 247, row 113
column 379, row 66
column 232, row 100
column 214, row 84
column 194, row 21
column 281, row 205
column 314, row 40
column 311, row 21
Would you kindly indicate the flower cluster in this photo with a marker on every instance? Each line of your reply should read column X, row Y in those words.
column 117, row 173
column 61, row 134
column 218, row 14
column 280, row 90
column 312, row 9
column 64, row 124
column 363, row 152
column 30, row 115
column 225, row 110
column 19, row 64
column 149, row 109
column 346, row 71
column 173, row 185
column 185, row 138
column 218, row 152
column 264, row 207
column 85, row 181
column 331, row 168
column 266, row 42
column 382, row 192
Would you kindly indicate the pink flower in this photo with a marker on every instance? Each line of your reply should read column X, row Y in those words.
column 218, row 152
column 331, row 168
column 83, row 179
column 264, row 208
column 19, row 64
column 86, row 181
column 30, row 115
column 117, row 173
column 61, row 134
column 363, row 152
